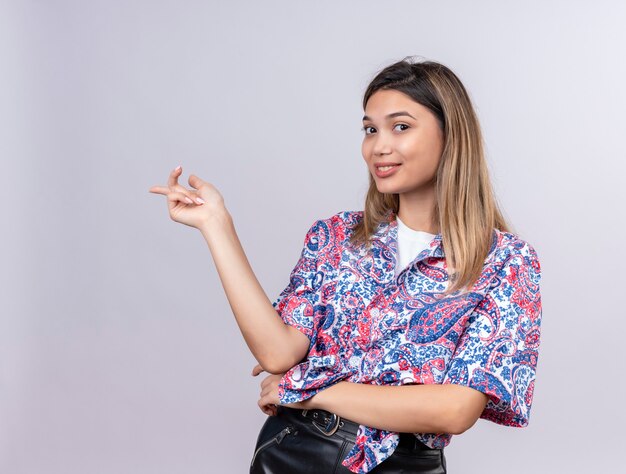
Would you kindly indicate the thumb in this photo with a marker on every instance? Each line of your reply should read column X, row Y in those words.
column 257, row 370
column 195, row 182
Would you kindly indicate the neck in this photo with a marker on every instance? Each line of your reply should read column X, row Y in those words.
column 416, row 211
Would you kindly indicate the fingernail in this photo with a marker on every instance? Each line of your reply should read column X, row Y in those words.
column 200, row 200
column 178, row 168
column 188, row 200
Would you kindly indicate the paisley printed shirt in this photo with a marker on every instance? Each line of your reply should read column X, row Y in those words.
column 367, row 325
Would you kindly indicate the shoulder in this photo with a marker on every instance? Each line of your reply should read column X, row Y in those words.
column 334, row 230
column 344, row 218
column 342, row 221
column 508, row 247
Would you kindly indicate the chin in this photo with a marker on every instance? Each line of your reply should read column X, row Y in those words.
column 388, row 189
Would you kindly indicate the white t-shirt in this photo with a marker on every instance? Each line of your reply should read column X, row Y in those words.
column 410, row 244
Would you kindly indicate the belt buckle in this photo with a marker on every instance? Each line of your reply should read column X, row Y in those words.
column 330, row 427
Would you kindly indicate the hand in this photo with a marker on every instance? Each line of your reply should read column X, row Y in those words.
column 269, row 393
column 192, row 207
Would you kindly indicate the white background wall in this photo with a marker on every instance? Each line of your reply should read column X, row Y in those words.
column 118, row 350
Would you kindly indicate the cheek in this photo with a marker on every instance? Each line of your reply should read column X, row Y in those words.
column 364, row 151
column 409, row 148
column 425, row 149
column 437, row 143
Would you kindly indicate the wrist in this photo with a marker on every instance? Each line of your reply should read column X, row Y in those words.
column 320, row 399
column 311, row 402
column 218, row 219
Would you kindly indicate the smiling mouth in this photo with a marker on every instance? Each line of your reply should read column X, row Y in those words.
column 385, row 168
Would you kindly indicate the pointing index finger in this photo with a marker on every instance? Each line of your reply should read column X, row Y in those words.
column 159, row 190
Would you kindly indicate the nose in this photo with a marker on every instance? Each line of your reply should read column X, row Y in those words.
column 382, row 144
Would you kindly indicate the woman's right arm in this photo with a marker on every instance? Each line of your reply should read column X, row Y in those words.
column 275, row 345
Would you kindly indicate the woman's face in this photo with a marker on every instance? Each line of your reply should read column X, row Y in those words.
column 402, row 145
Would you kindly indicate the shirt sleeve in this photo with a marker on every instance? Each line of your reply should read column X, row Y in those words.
column 498, row 351
column 298, row 303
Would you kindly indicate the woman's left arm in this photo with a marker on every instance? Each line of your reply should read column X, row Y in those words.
column 431, row 408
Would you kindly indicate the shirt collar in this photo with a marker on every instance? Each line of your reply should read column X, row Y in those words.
column 387, row 234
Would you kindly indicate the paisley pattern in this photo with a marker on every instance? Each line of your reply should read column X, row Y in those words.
column 368, row 326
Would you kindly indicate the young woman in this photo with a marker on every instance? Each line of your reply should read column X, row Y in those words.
column 402, row 324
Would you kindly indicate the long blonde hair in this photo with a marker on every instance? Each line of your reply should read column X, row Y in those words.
column 466, row 209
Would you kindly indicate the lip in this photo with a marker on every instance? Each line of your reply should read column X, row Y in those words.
column 384, row 174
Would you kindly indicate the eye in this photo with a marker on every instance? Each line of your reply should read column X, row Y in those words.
column 366, row 129
column 401, row 125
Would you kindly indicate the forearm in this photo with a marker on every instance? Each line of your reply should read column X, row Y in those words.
column 431, row 408
column 274, row 344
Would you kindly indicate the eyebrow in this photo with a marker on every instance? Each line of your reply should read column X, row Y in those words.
column 394, row 114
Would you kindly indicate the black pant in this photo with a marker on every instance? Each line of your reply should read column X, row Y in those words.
column 294, row 442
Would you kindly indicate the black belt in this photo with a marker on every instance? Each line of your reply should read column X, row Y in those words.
column 329, row 423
